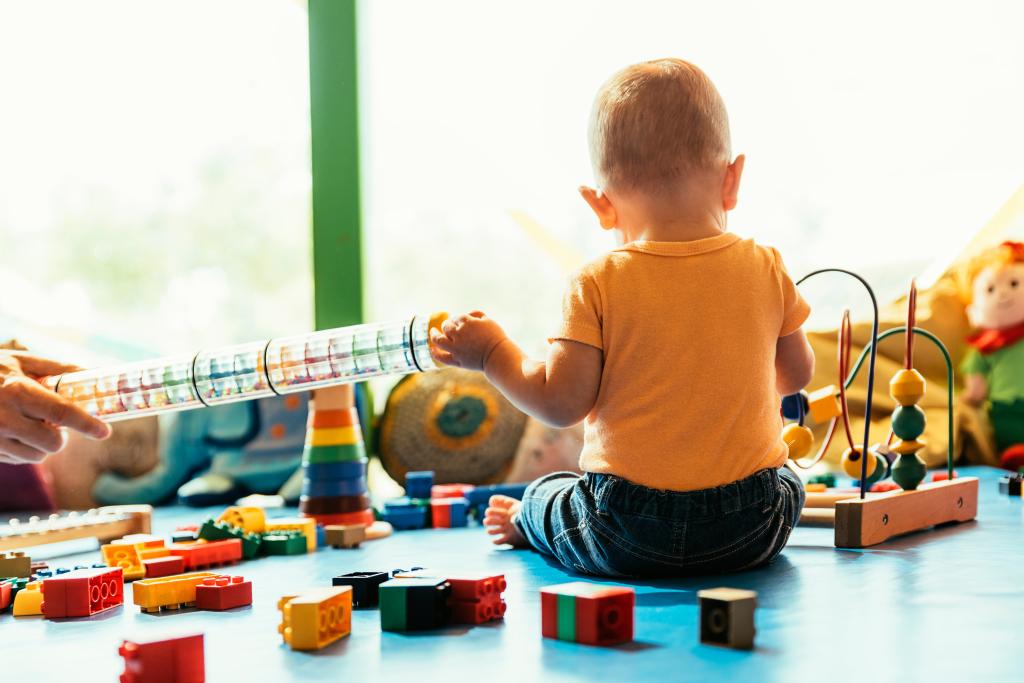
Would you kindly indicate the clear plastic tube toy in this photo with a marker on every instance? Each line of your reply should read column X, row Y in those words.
column 248, row 371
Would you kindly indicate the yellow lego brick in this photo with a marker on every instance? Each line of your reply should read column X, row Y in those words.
column 334, row 436
column 127, row 558
column 316, row 619
column 307, row 525
column 29, row 601
column 168, row 592
column 251, row 520
column 824, row 404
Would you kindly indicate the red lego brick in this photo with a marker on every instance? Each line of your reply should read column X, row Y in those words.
column 177, row 660
column 549, row 615
column 605, row 617
column 5, row 596
column 450, row 490
column 477, row 611
column 164, row 566
column 223, row 592
column 440, row 516
column 82, row 593
column 203, row 555
column 476, row 587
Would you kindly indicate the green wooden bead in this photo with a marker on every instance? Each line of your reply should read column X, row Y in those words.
column 908, row 422
column 881, row 468
column 908, row 471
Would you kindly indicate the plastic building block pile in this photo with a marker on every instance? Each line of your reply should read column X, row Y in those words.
column 441, row 506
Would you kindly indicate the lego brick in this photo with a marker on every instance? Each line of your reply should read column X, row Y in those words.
column 588, row 613
column 364, row 585
column 184, row 537
column 328, row 419
column 29, row 601
column 727, row 617
column 344, row 535
column 127, row 558
column 414, row 604
column 306, row 525
column 208, row 554
column 328, row 488
column 223, row 592
column 15, row 564
column 449, row 513
column 82, row 593
column 102, row 524
column 481, row 494
column 350, row 469
column 175, row 660
column 477, row 611
column 405, row 519
column 313, row 620
column 5, row 595
column 340, row 505
column 252, row 520
column 163, row 566
column 221, row 531
column 168, row 592
column 418, row 484
column 334, row 436
column 284, row 543
column 476, row 587
column 450, row 490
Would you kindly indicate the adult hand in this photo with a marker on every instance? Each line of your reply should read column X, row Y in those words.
column 32, row 416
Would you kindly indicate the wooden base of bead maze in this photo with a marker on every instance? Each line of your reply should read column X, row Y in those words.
column 881, row 516
column 104, row 524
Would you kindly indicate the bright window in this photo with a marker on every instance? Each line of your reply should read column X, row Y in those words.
column 878, row 137
column 154, row 174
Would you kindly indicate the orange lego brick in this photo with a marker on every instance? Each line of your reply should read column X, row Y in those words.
column 127, row 558
column 252, row 520
column 168, row 592
column 316, row 619
column 208, row 554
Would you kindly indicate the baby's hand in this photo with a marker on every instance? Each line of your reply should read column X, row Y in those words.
column 466, row 341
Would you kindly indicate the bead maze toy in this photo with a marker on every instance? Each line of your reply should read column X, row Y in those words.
column 860, row 517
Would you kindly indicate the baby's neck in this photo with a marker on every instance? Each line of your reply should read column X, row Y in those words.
column 670, row 222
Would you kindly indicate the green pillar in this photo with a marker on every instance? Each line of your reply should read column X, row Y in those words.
column 337, row 212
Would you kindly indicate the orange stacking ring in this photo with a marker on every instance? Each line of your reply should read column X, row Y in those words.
column 329, row 419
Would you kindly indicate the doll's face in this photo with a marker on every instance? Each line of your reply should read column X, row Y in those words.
column 998, row 297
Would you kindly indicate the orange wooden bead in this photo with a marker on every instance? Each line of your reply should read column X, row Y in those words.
column 798, row 439
column 907, row 387
column 851, row 463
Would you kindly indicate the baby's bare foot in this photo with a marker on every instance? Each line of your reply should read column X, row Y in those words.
column 498, row 520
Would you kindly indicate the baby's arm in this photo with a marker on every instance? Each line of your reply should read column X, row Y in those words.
column 794, row 363
column 559, row 392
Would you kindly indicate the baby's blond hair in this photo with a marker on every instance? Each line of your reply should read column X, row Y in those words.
column 655, row 121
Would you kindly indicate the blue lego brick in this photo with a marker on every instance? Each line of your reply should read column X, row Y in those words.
column 404, row 519
column 481, row 494
column 418, row 484
column 321, row 536
column 347, row 469
column 327, row 488
column 459, row 513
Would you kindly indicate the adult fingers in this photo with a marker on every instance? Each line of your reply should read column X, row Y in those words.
column 17, row 452
column 41, row 367
column 33, row 433
column 36, row 401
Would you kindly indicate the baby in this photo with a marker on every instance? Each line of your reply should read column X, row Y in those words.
column 674, row 349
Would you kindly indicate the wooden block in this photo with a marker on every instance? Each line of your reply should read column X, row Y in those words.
column 863, row 523
column 823, row 404
column 345, row 535
column 727, row 617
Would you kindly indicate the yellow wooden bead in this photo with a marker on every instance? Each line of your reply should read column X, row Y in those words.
column 799, row 440
column 823, row 404
column 815, row 488
column 907, row 446
column 907, row 387
column 851, row 463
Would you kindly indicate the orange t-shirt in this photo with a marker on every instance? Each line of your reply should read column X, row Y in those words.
column 688, row 329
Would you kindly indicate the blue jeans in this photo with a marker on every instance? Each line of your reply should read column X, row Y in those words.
column 604, row 525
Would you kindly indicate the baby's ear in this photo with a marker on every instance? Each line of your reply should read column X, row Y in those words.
column 731, row 183
column 601, row 206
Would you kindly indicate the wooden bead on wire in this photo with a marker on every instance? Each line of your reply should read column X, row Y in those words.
column 799, row 440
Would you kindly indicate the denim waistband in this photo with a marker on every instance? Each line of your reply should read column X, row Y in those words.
column 625, row 496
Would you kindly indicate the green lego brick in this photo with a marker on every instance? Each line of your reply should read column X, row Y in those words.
column 315, row 455
column 213, row 530
column 567, row 617
column 420, row 502
column 393, row 613
column 283, row 543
